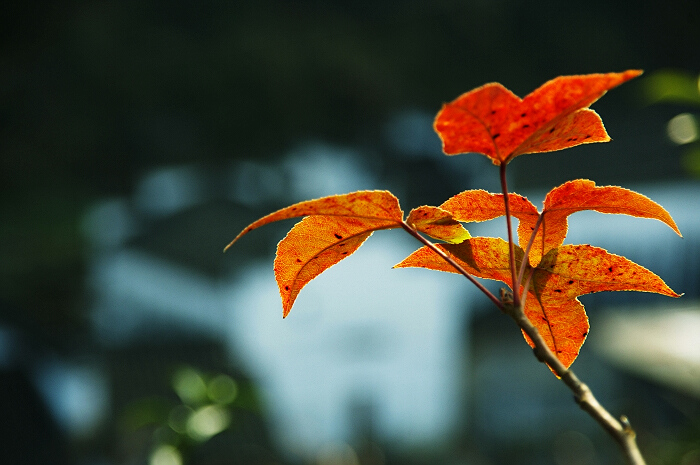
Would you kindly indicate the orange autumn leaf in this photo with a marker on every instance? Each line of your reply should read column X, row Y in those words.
column 565, row 273
column 437, row 223
column 479, row 205
column 573, row 270
column 335, row 227
column 563, row 324
column 579, row 195
column 561, row 321
column 315, row 244
column 371, row 205
column 495, row 122
column 560, row 202
column 483, row 257
column 582, row 194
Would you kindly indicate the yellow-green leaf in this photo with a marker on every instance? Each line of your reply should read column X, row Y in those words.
column 437, row 223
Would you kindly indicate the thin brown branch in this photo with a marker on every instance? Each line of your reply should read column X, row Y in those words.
column 526, row 254
column 621, row 431
column 452, row 262
column 513, row 274
column 526, row 287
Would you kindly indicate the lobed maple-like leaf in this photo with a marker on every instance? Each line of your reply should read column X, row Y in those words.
column 497, row 123
column 315, row 244
column 579, row 195
column 361, row 204
column 573, row 270
column 565, row 273
column 560, row 202
column 335, row 227
column 484, row 257
column 479, row 205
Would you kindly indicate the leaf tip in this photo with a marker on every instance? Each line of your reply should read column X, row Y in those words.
column 627, row 75
column 235, row 239
column 286, row 308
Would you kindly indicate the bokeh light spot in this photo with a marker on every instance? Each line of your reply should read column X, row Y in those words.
column 222, row 389
column 165, row 455
column 190, row 386
column 207, row 421
column 683, row 129
column 178, row 417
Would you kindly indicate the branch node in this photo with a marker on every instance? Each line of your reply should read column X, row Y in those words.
column 626, row 426
column 508, row 303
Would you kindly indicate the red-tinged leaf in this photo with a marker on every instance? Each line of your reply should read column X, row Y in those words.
column 315, row 244
column 569, row 271
column 578, row 195
column 371, row 205
column 484, row 257
column 492, row 120
column 583, row 126
column 560, row 202
column 562, row 323
column 334, row 228
column 479, row 205
column 437, row 223
column 564, row 274
column 574, row 270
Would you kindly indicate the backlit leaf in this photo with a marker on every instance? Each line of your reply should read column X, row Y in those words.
column 560, row 202
column 315, row 244
column 479, row 205
column 563, row 274
column 362, row 204
column 562, row 323
column 437, row 223
column 573, row 270
column 484, row 257
column 578, row 195
column 492, row 120
column 334, row 228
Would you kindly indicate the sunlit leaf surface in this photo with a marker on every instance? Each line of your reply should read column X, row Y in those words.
column 495, row 122
column 437, row 223
column 563, row 274
column 334, row 228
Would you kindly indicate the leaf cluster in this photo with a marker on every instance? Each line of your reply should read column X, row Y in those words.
column 545, row 276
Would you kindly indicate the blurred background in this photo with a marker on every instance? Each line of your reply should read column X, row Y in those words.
column 137, row 138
